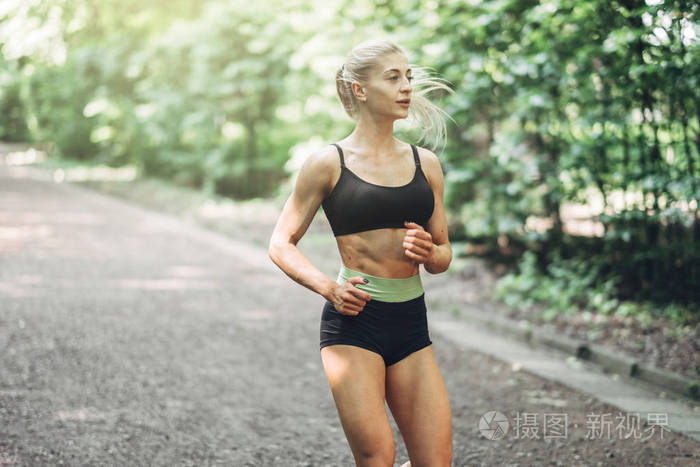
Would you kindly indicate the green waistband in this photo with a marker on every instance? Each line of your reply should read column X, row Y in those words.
column 385, row 289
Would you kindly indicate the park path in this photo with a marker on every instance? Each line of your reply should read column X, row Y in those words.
column 128, row 337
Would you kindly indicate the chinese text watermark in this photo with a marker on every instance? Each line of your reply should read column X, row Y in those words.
column 494, row 425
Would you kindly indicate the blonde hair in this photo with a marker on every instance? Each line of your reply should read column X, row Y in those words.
column 357, row 67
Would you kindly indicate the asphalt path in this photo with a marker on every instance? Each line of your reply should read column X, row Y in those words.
column 128, row 337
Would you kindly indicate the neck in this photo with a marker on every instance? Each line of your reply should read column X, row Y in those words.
column 374, row 135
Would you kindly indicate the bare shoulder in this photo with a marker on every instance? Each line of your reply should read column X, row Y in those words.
column 323, row 159
column 427, row 156
column 430, row 163
column 320, row 168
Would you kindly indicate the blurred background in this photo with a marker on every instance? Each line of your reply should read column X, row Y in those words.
column 572, row 164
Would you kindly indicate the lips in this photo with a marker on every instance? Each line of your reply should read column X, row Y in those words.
column 404, row 101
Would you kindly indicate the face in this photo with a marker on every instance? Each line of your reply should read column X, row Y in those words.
column 388, row 89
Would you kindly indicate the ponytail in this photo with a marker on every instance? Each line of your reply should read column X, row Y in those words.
column 344, row 89
column 429, row 117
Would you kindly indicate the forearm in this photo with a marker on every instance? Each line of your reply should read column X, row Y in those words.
column 295, row 265
column 439, row 260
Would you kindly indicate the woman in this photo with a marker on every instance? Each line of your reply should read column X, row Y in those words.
column 384, row 201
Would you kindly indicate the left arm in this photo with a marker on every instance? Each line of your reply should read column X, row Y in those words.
column 430, row 247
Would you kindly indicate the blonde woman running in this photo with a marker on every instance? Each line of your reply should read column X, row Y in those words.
column 384, row 202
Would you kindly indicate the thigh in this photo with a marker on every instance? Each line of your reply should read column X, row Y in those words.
column 417, row 397
column 357, row 380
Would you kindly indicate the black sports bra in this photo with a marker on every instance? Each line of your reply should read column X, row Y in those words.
column 355, row 205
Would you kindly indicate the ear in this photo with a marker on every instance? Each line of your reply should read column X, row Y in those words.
column 358, row 91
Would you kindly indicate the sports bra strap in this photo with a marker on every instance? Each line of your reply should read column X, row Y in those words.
column 340, row 153
column 342, row 159
column 415, row 155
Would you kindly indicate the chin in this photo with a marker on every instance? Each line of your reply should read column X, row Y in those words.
column 398, row 116
column 395, row 118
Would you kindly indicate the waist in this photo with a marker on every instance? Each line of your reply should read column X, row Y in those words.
column 385, row 289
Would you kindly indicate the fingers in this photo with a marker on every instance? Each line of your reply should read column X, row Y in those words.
column 352, row 306
column 361, row 294
column 417, row 231
column 417, row 245
column 352, row 299
column 417, row 258
column 349, row 310
column 418, row 234
column 357, row 280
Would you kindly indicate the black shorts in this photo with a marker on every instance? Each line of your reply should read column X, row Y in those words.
column 394, row 330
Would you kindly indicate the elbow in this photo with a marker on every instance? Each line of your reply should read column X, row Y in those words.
column 273, row 251
column 276, row 249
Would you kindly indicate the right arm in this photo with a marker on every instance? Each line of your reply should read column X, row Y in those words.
column 313, row 183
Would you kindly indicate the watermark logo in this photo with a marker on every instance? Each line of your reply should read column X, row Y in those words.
column 493, row 425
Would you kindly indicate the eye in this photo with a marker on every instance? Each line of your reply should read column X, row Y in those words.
column 410, row 78
column 394, row 78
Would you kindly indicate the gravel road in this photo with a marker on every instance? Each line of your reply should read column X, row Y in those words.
column 132, row 338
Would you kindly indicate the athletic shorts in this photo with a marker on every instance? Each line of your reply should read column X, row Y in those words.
column 392, row 324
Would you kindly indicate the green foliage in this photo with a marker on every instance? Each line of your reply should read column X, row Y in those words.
column 559, row 99
column 13, row 118
column 57, row 98
column 206, row 99
column 556, row 103
column 193, row 101
column 570, row 286
column 567, row 286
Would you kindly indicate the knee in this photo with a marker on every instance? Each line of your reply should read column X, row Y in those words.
column 442, row 458
column 379, row 455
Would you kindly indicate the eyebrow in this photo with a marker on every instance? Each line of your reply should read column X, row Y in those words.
column 396, row 70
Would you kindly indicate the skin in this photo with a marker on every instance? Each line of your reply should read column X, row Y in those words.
column 360, row 382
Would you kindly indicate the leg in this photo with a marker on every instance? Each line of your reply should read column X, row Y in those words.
column 357, row 380
column 417, row 397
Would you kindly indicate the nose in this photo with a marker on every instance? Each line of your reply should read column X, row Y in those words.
column 406, row 87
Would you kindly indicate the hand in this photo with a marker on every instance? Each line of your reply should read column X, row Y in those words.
column 348, row 299
column 418, row 244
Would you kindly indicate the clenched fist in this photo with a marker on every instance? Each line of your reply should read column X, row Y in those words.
column 418, row 244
